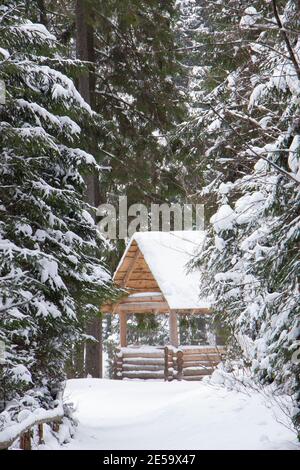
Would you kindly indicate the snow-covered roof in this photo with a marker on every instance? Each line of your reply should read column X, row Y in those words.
column 167, row 254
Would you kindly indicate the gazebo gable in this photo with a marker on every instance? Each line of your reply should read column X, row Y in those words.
column 157, row 262
column 133, row 272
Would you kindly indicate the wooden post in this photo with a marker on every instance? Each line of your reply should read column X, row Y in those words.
column 22, row 441
column 166, row 369
column 41, row 433
column 173, row 328
column 179, row 365
column 123, row 329
column 25, row 441
column 55, row 426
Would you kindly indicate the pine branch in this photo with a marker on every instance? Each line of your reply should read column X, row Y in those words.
column 258, row 156
column 19, row 304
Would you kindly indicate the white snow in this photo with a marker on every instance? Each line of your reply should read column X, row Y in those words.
column 223, row 219
column 49, row 272
column 294, row 149
column 167, row 255
column 36, row 28
column 257, row 94
column 160, row 138
column 175, row 415
column 219, row 243
column 142, row 349
column 21, row 373
column 214, row 126
column 225, row 188
column 250, row 17
column 247, row 207
column 4, row 53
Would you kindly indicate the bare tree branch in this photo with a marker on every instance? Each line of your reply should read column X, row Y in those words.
column 286, row 39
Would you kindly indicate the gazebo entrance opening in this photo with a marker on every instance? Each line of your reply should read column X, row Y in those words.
column 153, row 329
column 149, row 303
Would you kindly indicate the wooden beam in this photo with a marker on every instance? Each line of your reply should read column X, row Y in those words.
column 136, row 306
column 173, row 328
column 157, row 305
column 123, row 329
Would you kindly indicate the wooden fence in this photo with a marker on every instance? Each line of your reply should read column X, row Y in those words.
column 168, row 363
column 24, row 430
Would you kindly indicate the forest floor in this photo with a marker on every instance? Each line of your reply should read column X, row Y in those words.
column 175, row 415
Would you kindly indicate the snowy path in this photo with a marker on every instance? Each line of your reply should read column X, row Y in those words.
column 176, row 415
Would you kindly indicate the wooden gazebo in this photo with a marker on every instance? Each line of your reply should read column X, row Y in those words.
column 155, row 277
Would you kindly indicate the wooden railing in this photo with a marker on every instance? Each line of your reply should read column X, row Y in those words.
column 23, row 430
column 194, row 363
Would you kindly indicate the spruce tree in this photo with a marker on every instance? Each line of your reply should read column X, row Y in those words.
column 51, row 271
column 136, row 75
column 248, row 162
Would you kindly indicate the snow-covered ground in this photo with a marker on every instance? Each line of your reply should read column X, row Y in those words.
column 175, row 415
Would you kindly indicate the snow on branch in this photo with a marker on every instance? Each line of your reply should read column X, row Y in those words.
column 40, row 416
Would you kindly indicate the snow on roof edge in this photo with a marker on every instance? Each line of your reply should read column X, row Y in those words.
column 180, row 288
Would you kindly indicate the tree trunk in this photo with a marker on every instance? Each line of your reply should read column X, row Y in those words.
column 86, row 87
column 93, row 360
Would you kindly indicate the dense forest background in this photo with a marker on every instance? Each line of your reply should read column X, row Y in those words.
column 187, row 101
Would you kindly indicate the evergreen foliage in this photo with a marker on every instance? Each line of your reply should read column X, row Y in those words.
column 243, row 140
column 51, row 271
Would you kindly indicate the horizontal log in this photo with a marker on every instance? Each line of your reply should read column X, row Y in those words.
column 140, row 269
column 143, row 375
column 202, row 357
column 158, row 354
column 141, row 276
column 151, row 362
column 143, row 360
column 142, row 285
column 145, row 367
column 203, row 350
column 142, row 306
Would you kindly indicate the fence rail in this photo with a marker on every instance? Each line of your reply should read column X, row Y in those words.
column 23, row 430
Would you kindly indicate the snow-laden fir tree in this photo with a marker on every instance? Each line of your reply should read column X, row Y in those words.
column 242, row 142
column 51, row 272
column 217, row 55
column 133, row 50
